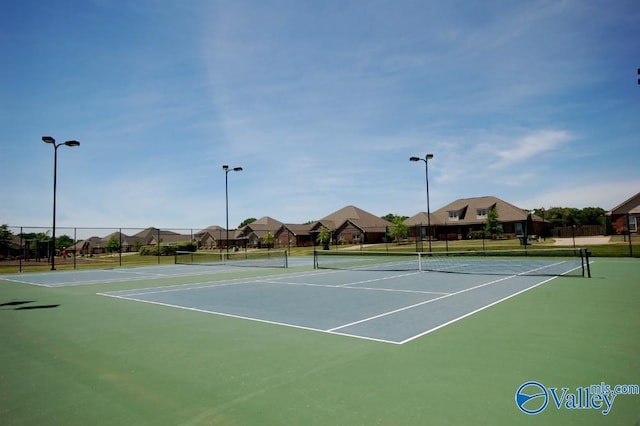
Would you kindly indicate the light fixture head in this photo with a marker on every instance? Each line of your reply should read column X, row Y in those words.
column 429, row 156
column 72, row 143
column 225, row 167
column 414, row 159
column 48, row 139
column 237, row 169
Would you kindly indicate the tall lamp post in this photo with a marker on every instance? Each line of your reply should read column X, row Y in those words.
column 49, row 139
column 226, row 194
column 426, row 168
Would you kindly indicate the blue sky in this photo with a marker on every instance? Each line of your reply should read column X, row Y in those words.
column 321, row 102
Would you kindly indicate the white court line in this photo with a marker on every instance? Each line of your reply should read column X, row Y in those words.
column 125, row 271
column 482, row 308
column 343, row 286
column 177, row 287
column 450, row 295
column 422, row 303
column 301, row 327
column 486, row 306
column 139, row 276
column 390, row 277
column 24, row 282
column 331, row 330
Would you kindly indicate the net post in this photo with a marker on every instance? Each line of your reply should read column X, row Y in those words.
column 420, row 262
column 286, row 259
column 587, row 254
column 315, row 258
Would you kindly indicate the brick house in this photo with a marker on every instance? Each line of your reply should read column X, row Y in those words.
column 626, row 216
column 458, row 219
column 352, row 225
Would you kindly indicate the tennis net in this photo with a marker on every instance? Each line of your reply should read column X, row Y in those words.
column 545, row 262
column 254, row 258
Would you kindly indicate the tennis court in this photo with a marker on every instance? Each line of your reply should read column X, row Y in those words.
column 355, row 340
column 382, row 298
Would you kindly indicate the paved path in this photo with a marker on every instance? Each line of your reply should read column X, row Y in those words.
column 582, row 241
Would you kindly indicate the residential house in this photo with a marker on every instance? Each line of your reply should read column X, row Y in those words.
column 294, row 235
column 457, row 220
column 352, row 225
column 626, row 216
column 211, row 237
column 253, row 234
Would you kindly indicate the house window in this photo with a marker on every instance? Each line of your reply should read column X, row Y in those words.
column 482, row 213
column 633, row 224
column 518, row 229
column 453, row 215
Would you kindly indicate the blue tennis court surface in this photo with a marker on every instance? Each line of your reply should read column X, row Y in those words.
column 102, row 276
column 386, row 306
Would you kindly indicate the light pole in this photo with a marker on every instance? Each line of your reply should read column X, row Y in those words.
column 49, row 139
column 226, row 194
column 426, row 169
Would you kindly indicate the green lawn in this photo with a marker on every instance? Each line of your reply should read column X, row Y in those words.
column 98, row 360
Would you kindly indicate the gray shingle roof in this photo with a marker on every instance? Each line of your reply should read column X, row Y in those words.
column 356, row 216
column 467, row 209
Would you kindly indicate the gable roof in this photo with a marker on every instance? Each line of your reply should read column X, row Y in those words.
column 358, row 217
column 259, row 228
column 632, row 206
column 298, row 229
column 211, row 229
column 265, row 223
column 146, row 235
column 419, row 219
column 467, row 209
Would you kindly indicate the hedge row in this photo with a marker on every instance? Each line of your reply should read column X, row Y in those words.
column 167, row 250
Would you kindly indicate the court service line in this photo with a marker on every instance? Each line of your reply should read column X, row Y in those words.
column 301, row 327
column 474, row 312
column 392, row 290
column 379, row 279
column 415, row 305
column 183, row 287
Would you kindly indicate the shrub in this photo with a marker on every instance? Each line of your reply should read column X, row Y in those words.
column 476, row 235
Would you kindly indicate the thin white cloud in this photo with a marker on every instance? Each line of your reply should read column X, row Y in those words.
column 322, row 104
column 531, row 146
column 606, row 195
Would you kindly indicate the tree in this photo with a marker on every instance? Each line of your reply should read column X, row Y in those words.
column 567, row 216
column 562, row 216
column 268, row 239
column 112, row 245
column 324, row 237
column 247, row 221
column 5, row 239
column 399, row 230
column 64, row 241
column 493, row 227
column 391, row 217
column 39, row 236
column 593, row 216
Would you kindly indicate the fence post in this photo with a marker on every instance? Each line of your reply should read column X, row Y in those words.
column 120, row 245
column 629, row 234
column 75, row 245
column 23, row 249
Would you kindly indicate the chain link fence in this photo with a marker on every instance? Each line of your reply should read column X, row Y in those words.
column 24, row 249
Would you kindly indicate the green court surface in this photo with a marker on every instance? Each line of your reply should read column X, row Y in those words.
column 71, row 356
